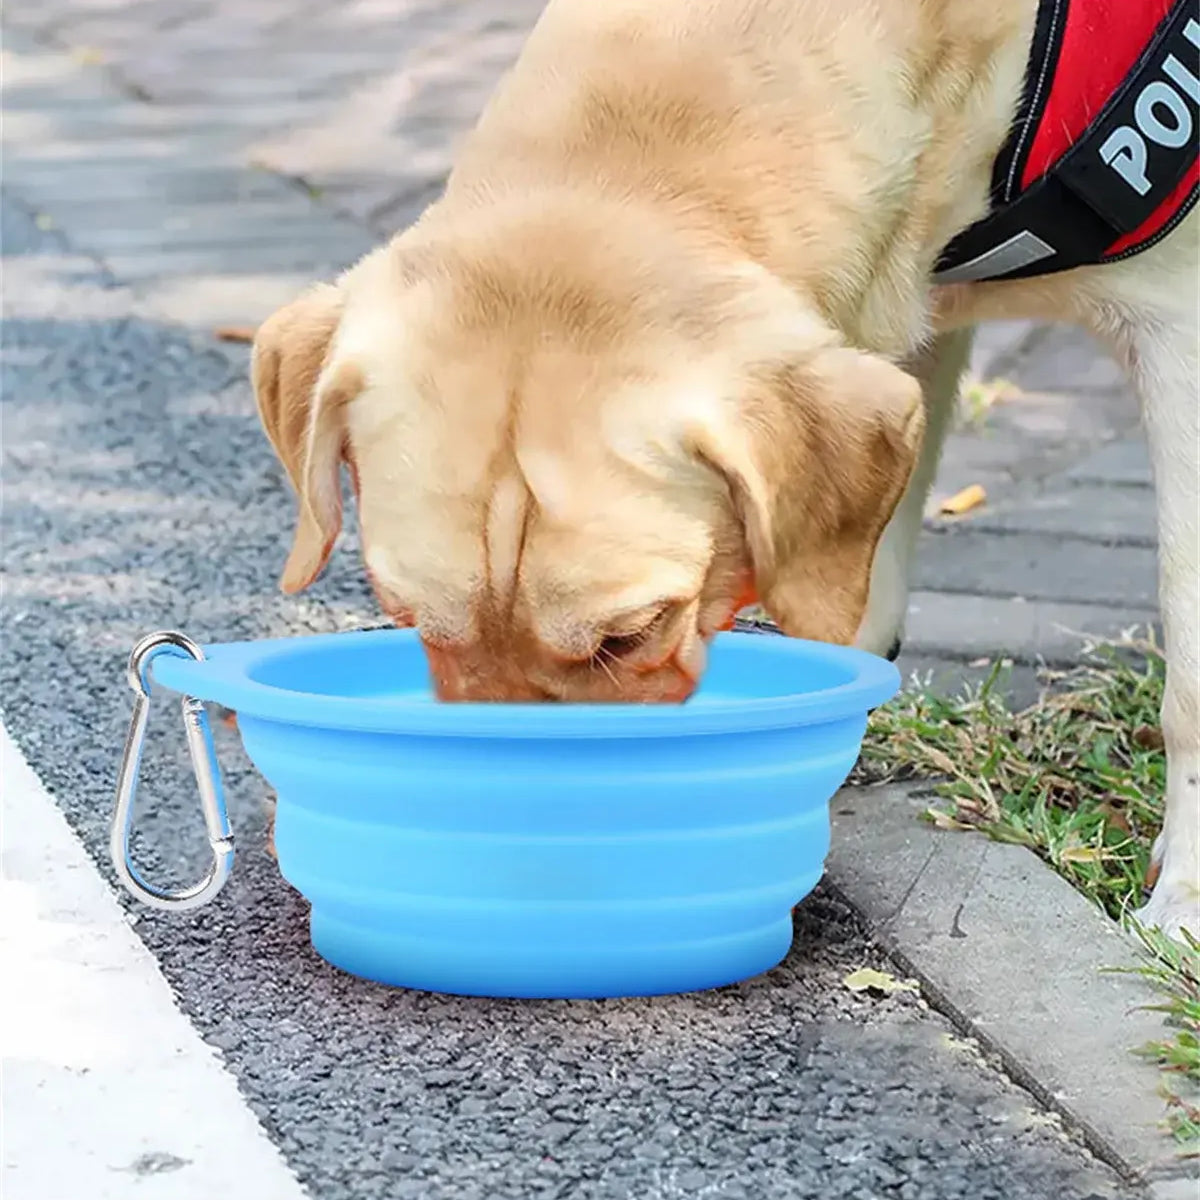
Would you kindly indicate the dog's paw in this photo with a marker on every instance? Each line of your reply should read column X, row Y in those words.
column 1174, row 906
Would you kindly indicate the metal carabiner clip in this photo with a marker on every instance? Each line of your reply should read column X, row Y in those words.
column 204, row 767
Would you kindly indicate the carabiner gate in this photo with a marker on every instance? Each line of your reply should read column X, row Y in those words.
column 204, row 767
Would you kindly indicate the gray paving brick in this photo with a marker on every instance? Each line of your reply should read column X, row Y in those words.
column 406, row 122
column 235, row 260
column 52, row 83
column 1066, row 359
column 123, row 122
column 32, row 150
column 995, row 344
column 191, row 61
column 1124, row 463
column 1084, row 510
column 966, row 627
column 87, row 219
column 204, row 300
column 1034, row 436
column 44, row 183
column 52, row 105
column 114, row 27
column 103, row 174
column 234, row 228
column 174, row 84
column 1037, row 567
column 209, row 112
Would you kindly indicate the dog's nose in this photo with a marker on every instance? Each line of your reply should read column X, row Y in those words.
column 894, row 650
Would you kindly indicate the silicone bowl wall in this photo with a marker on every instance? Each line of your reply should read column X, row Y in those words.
column 550, row 850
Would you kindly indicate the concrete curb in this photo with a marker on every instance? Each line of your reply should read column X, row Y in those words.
column 1021, row 961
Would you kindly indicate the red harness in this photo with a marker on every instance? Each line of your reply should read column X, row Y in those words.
column 1102, row 159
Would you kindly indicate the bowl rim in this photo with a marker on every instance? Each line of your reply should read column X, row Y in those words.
column 225, row 677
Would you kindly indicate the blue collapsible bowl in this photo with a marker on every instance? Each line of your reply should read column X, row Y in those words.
column 545, row 850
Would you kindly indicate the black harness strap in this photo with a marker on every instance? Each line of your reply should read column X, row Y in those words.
column 1111, row 181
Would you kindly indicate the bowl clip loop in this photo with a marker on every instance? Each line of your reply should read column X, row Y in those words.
column 204, row 767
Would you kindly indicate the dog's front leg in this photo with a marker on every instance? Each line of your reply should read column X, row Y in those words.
column 939, row 368
column 1166, row 368
column 1146, row 308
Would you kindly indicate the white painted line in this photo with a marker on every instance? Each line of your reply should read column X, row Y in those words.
column 109, row 1093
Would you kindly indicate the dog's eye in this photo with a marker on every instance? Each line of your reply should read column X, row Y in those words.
column 620, row 645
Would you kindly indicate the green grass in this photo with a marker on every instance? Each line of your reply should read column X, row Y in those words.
column 1172, row 969
column 1077, row 777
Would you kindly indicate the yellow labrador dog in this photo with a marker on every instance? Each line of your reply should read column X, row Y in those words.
column 674, row 339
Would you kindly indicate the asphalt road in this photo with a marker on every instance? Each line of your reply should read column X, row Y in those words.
column 139, row 493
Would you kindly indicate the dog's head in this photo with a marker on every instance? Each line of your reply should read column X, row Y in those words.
column 569, row 484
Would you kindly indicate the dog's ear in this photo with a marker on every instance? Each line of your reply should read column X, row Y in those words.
column 816, row 456
column 302, row 405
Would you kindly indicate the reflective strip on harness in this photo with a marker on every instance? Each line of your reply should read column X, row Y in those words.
column 1124, row 180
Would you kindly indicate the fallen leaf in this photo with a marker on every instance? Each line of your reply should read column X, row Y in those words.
column 867, row 979
column 44, row 221
column 235, row 333
column 1149, row 737
column 944, row 820
column 1080, row 854
column 89, row 56
column 1116, row 818
column 970, row 497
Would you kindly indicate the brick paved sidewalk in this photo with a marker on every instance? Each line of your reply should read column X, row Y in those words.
column 217, row 155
